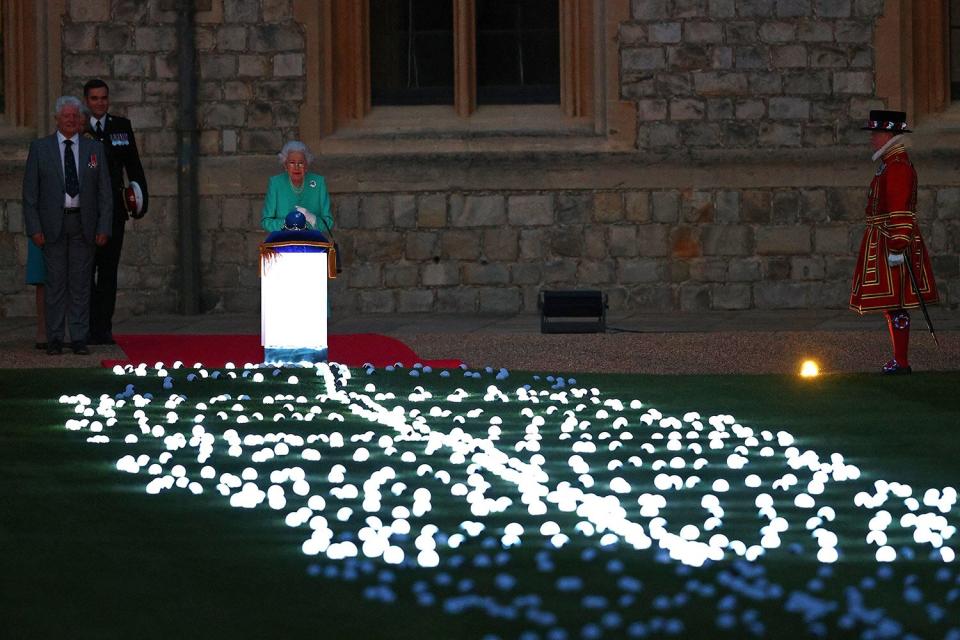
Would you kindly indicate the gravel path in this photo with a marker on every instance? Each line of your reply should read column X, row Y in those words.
column 660, row 353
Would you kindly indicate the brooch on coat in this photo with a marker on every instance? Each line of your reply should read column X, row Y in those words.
column 313, row 184
column 92, row 163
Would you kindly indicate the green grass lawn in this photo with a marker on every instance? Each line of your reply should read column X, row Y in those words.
column 88, row 553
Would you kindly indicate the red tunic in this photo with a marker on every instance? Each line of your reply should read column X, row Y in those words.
column 892, row 228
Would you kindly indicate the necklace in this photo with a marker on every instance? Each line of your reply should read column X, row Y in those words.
column 297, row 190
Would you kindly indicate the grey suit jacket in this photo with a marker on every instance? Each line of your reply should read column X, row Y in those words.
column 44, row 190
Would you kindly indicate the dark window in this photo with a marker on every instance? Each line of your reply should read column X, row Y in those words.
column 411, row 52
column 518, row 52
column 955, row 49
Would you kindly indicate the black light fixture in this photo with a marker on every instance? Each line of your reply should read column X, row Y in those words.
column 573, row 312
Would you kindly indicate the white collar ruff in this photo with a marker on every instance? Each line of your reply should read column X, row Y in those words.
column 882, row 150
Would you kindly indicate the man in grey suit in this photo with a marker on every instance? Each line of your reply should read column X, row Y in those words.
column 67, row 211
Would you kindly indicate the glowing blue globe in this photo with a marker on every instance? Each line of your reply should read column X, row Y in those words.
column 295, row 220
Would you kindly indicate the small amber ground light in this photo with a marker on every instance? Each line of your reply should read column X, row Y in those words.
column 809, row 369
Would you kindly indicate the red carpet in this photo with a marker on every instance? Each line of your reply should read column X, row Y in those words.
column 353, row 350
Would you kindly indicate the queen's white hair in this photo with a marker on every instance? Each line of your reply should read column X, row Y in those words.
column 294, row 146
column 63, row 101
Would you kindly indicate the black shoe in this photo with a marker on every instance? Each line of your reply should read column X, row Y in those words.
column 41, row 346
column 80, row 348
column 55, row 348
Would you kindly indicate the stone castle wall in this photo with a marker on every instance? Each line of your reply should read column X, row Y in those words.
column 716, row 84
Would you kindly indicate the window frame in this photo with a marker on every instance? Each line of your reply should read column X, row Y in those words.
column 337, row 116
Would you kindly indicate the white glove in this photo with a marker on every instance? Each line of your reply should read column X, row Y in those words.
column 895, row 259
column 311, row 219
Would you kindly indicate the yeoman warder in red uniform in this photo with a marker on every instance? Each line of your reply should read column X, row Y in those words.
column 892, row 242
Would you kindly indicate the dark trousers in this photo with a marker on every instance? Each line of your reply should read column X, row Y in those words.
column 67, row 293
column 103, row 298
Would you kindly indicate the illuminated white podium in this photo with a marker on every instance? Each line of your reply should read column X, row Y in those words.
column 293, row 298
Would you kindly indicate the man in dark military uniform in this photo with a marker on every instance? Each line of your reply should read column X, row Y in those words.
column 892, row 244
column 116, row 135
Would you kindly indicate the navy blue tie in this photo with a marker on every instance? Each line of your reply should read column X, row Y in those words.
column 71, row 180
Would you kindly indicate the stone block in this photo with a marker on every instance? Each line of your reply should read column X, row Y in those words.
column 739, row 134
column 276, row 10
column 262, row 140
column 731, row 297
column 477, row 211
column 687, row 109
column 690, row 8
column 400, row 275
column 720, row 109
column 849, row 31
column 840, row 267
column 560, row 271
column 464, row 245
column 773, row 134
column 574, row 208
column 218, row 67
column 607, row 206
column 789, row 108
column 89, row 10
column 662, row 135
column 260, row 115
column 695, row 297
column 947, row 204
column 623, row 240
column 743, row 270
column 651, row 109
column 236, row 214
column 663, row 32
column 231, row 37
column 784, row 295
column 280, row 90
column 415, row 300
column 806, row 268
column 685, row 242
column 649, row 9
column 665, row 206
column 765, row 82
column 783, row 240
column 365, row 275
column 533, row 243
column 206, row 39
column 288, row 64
column 80, row 37
column 530, row 210
column 595, row 242
column 755, row 8
column 750, row 57
column 819, row 135
column 721, row 57
column 477, row 273
column 725, row 240
column 276, row 37
column 432, row 210
column 637, row 270
column 252, row 66
column 740, row 32
column 794, row 8
column 378, row 246
column 785, row 207
column 377, row 301
column 15, row 217
column 114, row 38
column 421, row 245
column 653, row 240
column 500, row 300
column 636, row 206
column 703, row 32
column 632, row 34
column 705, row 270
column 501, row 244
column 566, row 241
column 404, row 211
column 846, row 204
column 456, row 300
column 375, row 211
column 779, row 33
column 245, row 11
column 440, row 274
column 526, row 273
column 650, row 298
column 595, row 272
column 722, row 8
column 643, row 59
column 720, row 83
column 727, row 207
column 832, row 239
column 858, row 82
column 696, row 206
column 832, row 8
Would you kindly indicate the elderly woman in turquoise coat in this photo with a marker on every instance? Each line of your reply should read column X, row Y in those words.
column 298, row 189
